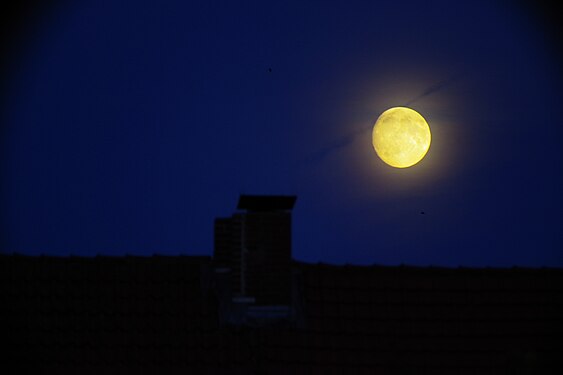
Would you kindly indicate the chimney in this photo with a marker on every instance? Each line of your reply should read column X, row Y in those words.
column 255, row 245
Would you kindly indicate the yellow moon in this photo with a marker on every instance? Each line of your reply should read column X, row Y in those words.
column 401, row 137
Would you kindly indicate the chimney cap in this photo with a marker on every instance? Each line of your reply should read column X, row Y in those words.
column 266, row 202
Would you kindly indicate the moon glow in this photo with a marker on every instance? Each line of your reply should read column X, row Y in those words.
column 401, row 137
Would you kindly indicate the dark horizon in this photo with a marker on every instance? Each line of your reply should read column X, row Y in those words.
column 259, row 204
column 176, row 315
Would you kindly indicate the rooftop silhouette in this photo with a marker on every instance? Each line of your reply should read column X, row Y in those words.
column 188, row 314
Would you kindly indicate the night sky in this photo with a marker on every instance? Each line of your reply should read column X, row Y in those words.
column 128, row 126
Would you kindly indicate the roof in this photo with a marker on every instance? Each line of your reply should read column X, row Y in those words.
column 266, row 202
column 93, row 315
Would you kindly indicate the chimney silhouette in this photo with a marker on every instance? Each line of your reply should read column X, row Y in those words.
column 255, row 245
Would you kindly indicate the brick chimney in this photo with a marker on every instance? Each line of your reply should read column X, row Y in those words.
column 254, row 244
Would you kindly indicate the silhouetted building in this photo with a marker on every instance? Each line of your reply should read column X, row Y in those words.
column 106, row 315
column 254, row 246
column 161, row 315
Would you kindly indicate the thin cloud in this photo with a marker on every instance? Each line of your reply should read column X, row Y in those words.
column 335, row 145
column 347, row 139
column 434, row 88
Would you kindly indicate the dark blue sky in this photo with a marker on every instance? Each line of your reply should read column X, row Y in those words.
column 128, row 126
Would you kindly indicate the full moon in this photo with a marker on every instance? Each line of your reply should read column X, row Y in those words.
column 401, row 137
